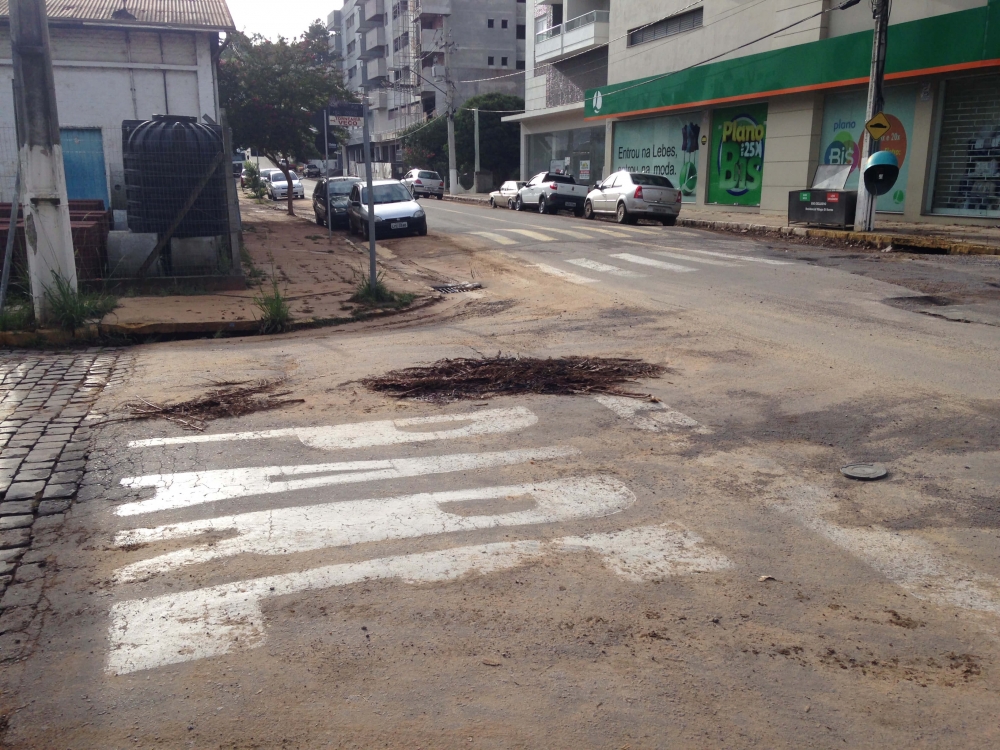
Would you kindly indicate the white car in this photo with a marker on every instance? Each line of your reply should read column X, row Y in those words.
column 506, row 195
column 396, row 212
column 424, row 182
column 277, row 188
column 630, row 196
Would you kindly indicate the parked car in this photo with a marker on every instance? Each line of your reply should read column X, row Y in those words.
column 340, row 191
column 631, row 196
column 312, row 170
column 277, row 188
column 424, row 182
column 506, row 194
column 396, row 211
column 549, row 192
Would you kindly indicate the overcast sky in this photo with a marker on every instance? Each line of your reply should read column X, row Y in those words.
column 273, row 19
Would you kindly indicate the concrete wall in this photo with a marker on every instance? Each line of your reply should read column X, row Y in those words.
column 859, row 18
column 104, row 76
column 791, row 151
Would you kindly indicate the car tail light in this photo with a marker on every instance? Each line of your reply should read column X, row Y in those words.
column 638, row 193
column 678, row 199
column 417, row 182
column 554, row 186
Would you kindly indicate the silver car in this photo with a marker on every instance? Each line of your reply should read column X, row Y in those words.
column 396, row 212
column 630, row 196
column 506, row 195
column 424, row 182
column 277, row 188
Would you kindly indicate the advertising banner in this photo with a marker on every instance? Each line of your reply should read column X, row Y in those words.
column 844, row 123
column 666, row 146
column 736, row 161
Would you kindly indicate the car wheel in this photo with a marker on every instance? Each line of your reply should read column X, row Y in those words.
column 622, row 215
column 669, row 221
column 578, row 212
column 440, row 196
column 510, row 203
column 519, row 204
column 492, row 203
column 423, row 230
column 542, row 208
column 588, row 211
column 319, row 220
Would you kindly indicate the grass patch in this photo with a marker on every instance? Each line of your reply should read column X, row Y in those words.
column 378, row 294
column 251, row 272
column 70, row 309
column 17, row 316
column 275, row 313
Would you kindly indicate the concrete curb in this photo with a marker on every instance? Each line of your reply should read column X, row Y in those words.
column 879, row 240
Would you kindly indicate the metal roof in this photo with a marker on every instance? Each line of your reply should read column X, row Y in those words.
column 191, row 14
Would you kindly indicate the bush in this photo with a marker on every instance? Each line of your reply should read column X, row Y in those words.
column 378, row 294
column 252, row 182
column 17, row 316
column 70, row 309
column 275, row 313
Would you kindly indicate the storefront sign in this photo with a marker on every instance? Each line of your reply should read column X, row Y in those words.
column 843, row 126
column 584, row 174
column 666, row 146
column 736, row 161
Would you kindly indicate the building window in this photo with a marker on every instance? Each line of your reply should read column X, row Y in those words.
column 350, row 20
column 489, row 23
column 521, row 30
column 351, row 47
column 503, row 24
column 667, row 27
column 400, row 7
column 503, row 62
column 519, row 64
column 489, row 60
column 401, row 42
column 352, row 72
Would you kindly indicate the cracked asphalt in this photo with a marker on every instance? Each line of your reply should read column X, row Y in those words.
column 548, row 571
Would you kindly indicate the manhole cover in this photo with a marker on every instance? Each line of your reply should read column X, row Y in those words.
column 456, row 288
column 864, row 472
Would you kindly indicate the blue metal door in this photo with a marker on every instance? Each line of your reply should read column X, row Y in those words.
column 83, row 159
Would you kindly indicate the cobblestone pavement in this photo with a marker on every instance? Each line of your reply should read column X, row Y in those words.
column 45, row 402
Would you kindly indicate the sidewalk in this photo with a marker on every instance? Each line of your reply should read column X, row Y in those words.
column 952, row 239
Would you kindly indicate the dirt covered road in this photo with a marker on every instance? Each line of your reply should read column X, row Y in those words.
column 360, row 571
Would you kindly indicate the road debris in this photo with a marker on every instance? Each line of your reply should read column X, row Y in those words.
column 766, row 578
column 226, row 399
column 468, row 378
column 864, row 472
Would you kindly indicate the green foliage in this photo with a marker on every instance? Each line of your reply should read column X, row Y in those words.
column 252, row 183
column 70, row 309
column 275, row 313
column 378, row 294
column 17, row 316
column 499, row 142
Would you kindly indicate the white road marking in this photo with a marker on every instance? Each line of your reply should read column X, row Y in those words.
column 649, row 415
column 198, row 487
column 611, row 232
column 564, row 275
column 497, row 238
column 532, row 235
column 368, row 434
column 748, row 258
column 643, row 261
column 706, row 261
column 175, row 628
column 284, row 531
column 568, row 233
column 905, row 559
column 593, row 265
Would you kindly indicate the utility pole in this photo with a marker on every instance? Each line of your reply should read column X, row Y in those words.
column 46, row 206
column 326, row 171
column 864, row 220
column 475, row 176
column 450, row 103
column 366, row 134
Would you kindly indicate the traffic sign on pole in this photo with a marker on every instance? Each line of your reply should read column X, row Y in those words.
column 878, row 126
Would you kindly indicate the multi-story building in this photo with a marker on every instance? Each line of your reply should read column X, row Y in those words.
column 402, row 51
column 740, row 102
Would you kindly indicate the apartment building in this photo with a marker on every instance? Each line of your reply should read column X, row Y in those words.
column 738, row 103
column 396, row 50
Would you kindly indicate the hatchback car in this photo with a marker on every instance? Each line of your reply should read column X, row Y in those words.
column 424, row 182
column 340, row 191
column 277, row 188
column 630, row 196
column 506, row 195
column 396, row 212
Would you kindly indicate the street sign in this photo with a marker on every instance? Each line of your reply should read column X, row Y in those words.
column 878, row 126
column 345, row 122
column 346, row 114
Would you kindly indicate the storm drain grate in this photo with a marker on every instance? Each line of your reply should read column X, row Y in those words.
column 457, row 288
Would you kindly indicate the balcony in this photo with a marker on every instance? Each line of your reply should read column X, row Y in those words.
column 375, row 45
column 371, row 13
column 378, row 100
column 431, row 8
column 376, row 71
column 580, row 34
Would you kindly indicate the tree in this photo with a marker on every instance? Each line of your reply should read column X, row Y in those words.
column 271, row 89
column 426, row 145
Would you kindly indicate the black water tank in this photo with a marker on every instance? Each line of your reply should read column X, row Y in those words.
column 165, row 160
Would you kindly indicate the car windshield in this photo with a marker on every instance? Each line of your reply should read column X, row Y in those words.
column 279, row 177
column 561, row 178
column 652, row 180
column 428, row 175
column 342, row 187
column 387, row 194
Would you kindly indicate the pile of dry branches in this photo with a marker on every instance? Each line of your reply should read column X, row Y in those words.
column 453, row 379
column 226, row 399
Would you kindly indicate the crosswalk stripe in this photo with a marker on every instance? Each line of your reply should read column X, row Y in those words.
column 564, row 275
column 654, row 263
column 570, row 233
column 593, row 265
column 680, row 256
column 532, row 235
column 497, row 238
column 748, row 258
column 612, row 232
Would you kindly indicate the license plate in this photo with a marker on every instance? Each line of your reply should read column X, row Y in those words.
column 570, row 204
column 658, row 208
column 399, row 225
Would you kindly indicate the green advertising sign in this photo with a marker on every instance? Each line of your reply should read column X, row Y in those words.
column 736, row 159
column 665, row 146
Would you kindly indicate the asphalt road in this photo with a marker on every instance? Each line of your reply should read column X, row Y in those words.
column 550, row 570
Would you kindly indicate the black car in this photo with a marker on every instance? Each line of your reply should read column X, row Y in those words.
column 340, row 190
